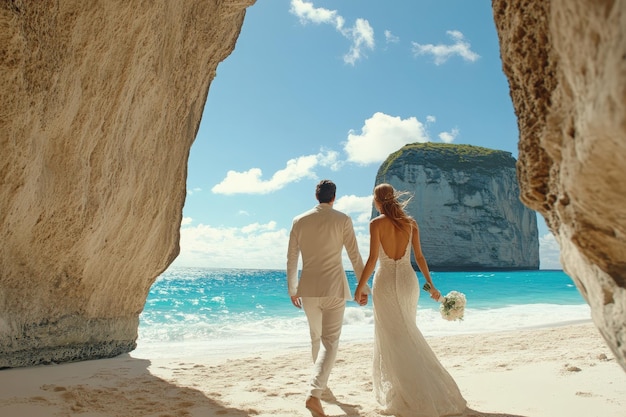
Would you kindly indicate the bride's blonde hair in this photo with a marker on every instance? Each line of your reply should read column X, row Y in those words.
column 390, row 204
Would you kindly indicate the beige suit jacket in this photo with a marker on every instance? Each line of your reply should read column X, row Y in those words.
column 320, row 235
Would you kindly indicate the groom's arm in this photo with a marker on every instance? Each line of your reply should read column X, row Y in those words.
column 352, row 248
column 293, row 253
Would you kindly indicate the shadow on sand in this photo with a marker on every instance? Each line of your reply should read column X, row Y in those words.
column 125, row 386
column 122, row 386
column 353, row 410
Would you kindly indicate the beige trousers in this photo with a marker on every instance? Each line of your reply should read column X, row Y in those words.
column 325, row 317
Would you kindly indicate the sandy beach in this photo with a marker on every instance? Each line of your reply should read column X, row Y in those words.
column 550, row 372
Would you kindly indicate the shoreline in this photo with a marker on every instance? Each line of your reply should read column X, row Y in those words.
column 299, row 339
column 548, row 372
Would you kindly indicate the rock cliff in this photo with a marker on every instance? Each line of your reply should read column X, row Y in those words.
column 100, row 104
column 466, row 202
column 566, row 65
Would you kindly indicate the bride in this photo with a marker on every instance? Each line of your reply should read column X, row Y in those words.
column 409, row 380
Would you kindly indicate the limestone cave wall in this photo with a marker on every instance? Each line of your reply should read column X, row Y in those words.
column 566, row 65
column 100, row 103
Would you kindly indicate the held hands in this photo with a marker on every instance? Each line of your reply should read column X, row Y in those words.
column 360, row 295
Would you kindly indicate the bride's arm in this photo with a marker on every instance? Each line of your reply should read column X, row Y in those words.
column 371, row 261
column 421, row 261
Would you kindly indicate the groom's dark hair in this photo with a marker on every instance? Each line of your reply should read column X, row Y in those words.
column 325, row 191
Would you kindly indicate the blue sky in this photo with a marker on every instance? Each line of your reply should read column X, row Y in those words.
column 328, row 89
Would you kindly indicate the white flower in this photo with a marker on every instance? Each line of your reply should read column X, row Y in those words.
column 453, row 306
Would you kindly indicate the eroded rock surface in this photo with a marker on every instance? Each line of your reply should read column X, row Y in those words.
column 466, row 201
column 566, row 65
column 100, row 104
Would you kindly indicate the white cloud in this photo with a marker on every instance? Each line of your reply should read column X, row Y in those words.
column 448, row 137
column 309, row 13
column 251, row 182
column 329, row 158
column 359, row 208
column 442, row 53
column 361, row 34
column 256, row 227
column 253, row 246
column 194, row 190
column 382, row 135
column 549, row 252
column 390, row 37
column 431, row 119
column 186, row 221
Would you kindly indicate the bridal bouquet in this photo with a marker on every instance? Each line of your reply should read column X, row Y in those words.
column 452, row 305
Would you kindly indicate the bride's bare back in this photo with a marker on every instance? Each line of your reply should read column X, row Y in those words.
column 393, row 240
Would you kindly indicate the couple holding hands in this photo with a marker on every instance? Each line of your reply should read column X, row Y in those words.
column 408, row 379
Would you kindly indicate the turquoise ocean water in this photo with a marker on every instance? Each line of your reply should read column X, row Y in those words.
column 201, row 311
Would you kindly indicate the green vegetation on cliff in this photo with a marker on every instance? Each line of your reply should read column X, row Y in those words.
column 448, row 157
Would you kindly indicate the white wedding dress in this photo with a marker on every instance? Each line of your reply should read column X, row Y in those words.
column 409, row 380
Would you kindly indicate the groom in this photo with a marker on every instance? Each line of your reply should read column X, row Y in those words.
column 320, row 235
